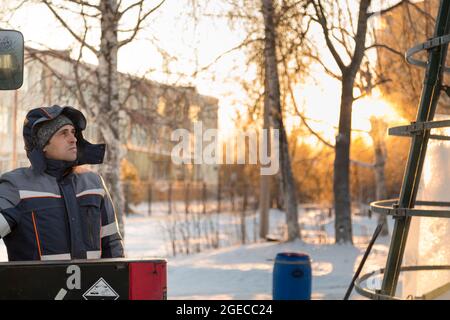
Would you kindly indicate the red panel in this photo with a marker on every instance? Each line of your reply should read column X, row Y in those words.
column 148, row 280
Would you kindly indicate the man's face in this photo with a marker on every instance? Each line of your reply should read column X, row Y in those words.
column 62, row 145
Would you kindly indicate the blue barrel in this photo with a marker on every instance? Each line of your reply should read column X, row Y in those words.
column 292, row 277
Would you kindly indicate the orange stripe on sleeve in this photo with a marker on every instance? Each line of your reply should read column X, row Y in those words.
column 37, row 235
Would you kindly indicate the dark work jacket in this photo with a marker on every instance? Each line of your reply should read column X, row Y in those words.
column 57, row 216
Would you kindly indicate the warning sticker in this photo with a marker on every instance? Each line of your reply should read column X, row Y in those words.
column 101, row 290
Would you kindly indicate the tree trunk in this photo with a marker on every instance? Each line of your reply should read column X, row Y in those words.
column 169, row 199
column 379, row 128
column 204, row 197
column 243, row 215
column 264, row 204
column 341, row 183
column 289, row 188
column 264, row 180
column 108, row 118
column 186, row 198
column 272, row 98
column 219, row 192
column 149, row 199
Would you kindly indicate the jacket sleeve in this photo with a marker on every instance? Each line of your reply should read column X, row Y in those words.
column 112, row 246
column 9, row 215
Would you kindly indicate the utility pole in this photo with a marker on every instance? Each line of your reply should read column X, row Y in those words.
column 14, row 131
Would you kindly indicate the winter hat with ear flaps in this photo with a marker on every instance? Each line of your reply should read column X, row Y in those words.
column 39, row 118
column 47, row 129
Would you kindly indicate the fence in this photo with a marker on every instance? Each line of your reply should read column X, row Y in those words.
column 190, row 197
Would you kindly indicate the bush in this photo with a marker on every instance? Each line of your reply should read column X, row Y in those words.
column 133, row 186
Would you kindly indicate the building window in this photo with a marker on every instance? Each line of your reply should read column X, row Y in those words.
column 138, row 136
column 194, row 112
column 161, row 108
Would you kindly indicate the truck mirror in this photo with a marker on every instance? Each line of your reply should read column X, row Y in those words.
column 11, row 59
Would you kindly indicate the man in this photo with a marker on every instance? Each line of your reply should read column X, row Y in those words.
column 55, row 210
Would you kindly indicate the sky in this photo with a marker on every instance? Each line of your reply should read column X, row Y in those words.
column 196, row 45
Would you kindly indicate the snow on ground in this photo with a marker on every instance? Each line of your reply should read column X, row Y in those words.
column 245, row 271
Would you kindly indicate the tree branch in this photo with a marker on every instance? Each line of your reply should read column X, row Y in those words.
column 323, row 23
column 240, row 46
column 360, row 37
column 68, row 28
column 139, row 21
column 85, row 3
column 374, row 86
column 294, row 102
column 383, row 12
column 131, row 6
column 33, row 54
column 81, row 96
column 383, row 46
column 326, row 69
column 423, row 12
column 362, row 164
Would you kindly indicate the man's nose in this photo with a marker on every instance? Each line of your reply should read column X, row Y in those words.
column 72, row 138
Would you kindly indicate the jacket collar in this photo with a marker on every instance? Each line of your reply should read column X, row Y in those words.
column 59, row 168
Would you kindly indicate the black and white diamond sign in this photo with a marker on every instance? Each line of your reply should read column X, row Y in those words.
column 101, row 290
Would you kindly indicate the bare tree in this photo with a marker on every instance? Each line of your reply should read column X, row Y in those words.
column 352, row 47
column 286, row 16
column 272, row 99
column 264, row 193
column 97, row 87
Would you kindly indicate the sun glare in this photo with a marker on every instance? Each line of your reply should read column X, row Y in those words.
column 373, row 106
column 321, row 107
